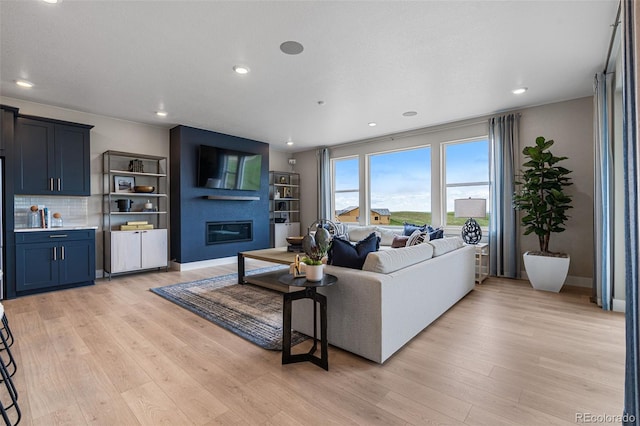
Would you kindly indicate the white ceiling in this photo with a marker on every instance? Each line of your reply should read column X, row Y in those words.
column 368, row 61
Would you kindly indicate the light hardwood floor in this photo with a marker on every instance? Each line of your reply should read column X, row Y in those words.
column 117, row 354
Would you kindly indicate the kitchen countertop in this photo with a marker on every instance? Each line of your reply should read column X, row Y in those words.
column 62, row 228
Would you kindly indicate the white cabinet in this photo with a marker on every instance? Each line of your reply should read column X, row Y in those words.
column 283, row 230
column 128, row 251
column 153, row 250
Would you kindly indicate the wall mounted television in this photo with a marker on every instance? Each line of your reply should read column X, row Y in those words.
column 221, row 168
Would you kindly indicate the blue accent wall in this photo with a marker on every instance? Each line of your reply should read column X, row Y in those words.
column 190, row 210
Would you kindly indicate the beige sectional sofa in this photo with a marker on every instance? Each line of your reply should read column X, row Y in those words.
column 375, row 311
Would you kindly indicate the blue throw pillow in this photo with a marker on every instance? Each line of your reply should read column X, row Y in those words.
column 343, row 253
column 410, row 228
column 435, row 233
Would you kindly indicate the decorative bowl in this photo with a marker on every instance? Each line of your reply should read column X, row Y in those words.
column 295, row 241
column 146, row 189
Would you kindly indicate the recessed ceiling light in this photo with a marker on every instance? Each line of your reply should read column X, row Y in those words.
column 291, row 48
column 519, row 91
column 241, row 69
column 24, row 83
column 289, row 143
column 320, row 103
column 409, row 113
column 52, row 1
column 372, row 124
column 161, row 113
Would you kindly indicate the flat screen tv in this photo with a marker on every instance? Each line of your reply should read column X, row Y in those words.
column 221, row 168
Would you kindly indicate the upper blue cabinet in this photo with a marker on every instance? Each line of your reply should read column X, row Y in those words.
column 51, row 157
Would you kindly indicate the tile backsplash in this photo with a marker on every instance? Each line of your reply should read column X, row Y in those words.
column 74, row 210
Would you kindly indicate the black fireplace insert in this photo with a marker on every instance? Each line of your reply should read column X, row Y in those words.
column 228, row 232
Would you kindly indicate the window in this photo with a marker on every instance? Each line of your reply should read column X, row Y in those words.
column 373, row 184
column 466, row 175
column 400, row 187
column 346, row 189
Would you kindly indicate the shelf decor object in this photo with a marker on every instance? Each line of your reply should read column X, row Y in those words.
column 471, row 208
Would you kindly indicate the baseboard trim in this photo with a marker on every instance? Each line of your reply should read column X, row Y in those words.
column 571, row 280
column 619, row 305
column 579, row 281
column 190, row 266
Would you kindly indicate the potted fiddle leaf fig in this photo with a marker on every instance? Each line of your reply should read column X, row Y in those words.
column 315, row 247
column 540, row 196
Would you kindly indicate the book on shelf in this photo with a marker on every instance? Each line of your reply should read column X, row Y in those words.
column 135, row 227
column 137, row 222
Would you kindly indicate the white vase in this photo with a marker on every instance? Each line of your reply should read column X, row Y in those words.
column 314, row 272
column 545, row 272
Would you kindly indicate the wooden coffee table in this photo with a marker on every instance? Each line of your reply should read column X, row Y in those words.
column 270, row 280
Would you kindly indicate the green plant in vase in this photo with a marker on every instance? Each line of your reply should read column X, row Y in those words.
column 544, row 204
column 541, row 195
column 316, row 246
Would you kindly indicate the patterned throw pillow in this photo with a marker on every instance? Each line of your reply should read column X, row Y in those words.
column 341, row 231
column 418, row 237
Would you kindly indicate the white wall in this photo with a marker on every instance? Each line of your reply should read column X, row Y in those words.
column 279, row 160
column 569, row 123
column 107, row 134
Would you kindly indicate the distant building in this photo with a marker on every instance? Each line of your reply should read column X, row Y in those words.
column 352, row 215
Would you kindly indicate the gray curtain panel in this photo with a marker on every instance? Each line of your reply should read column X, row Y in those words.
column 324, row 184
column 503, row 228
column 632, row 212
column 603, row 191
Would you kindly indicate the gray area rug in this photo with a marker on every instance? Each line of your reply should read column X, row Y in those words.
column 252, row 312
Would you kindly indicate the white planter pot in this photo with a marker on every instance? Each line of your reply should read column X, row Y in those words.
column 546, row 273
column 314, row 272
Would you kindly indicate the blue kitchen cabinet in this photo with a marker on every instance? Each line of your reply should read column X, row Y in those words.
column 52, row 157
column 54, row 260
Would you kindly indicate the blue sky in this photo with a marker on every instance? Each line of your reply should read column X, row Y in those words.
column 402, row 180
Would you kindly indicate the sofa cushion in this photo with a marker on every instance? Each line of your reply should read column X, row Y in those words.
column 386, row 236
column 343, row 253
column 445, row 245
column 359, row 233
column 399, row 241
column 388, row 261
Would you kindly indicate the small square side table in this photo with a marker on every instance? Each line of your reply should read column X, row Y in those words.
column 482, row 262
column 309, row 292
